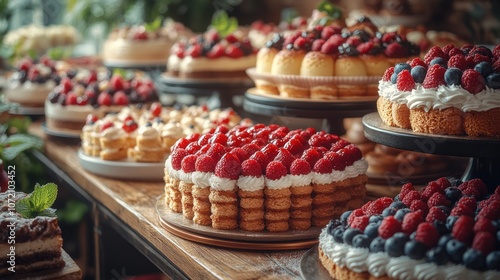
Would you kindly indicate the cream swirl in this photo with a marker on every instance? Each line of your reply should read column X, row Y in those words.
column 174, row 174
column 201, row 179
column 301, row 180
column 421, row 98
column 483, row 101
column 401, row 268
column 356, row 259
column 427, row 271
column 172, row 129
column 250, row 183
column 148, row 132
column 338, row 254
column 113, row 133
column 322, row 178
column 377, row 263
column 281, row 183
column 222, row 184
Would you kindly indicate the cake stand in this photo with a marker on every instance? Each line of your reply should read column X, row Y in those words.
column 333, row 111
column 146, row 67
column 484, row 152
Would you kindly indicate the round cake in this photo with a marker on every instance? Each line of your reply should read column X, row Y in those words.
column 85, row 92
column 452, row 91
column 447, row 230
column 264, row 178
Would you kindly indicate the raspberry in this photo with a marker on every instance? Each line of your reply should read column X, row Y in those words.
column 360, row 222
column 270, row 150
column 411, row 221
column 457, row 61
column 353, row 41
column 427, row 234
column 434, row 77
column 387, row 74
column 389, row 227
column 323, row 166
column 389, row 37
column 419, row 205
column 251, row 167
column 317, row 44
column 176, row 158
column 285, row 157
column 365, row 48
column 405, row 189
column 446, row 49
column 294, row 146
column 433, row 53
column 472, row 81
column 492, row 211
column 261, row 159
column 474, row 184
column 444, row 183
column 366, row 206
column 455, row 52
column 462, row 229
column 484, row 224
column 311, row 155
column 462, row 211
column 275, row 170
column 340, row 144
column 411, row 196
column 378, row 206
column 250, row 148
column 405, row 81
column 395, row 50
column 300, row 167
column 229, row 167
column 354, row 214
column 354, row 151
column 429, row 190
column 188, row 163
column 468, row 202
column 484, row 242
column 216, row 151
column 438, row 199
column 416, row 62
column 436, row 214
column 474, row 59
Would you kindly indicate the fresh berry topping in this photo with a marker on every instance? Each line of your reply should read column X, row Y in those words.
column 270, row 150
column 389, row 227
column 338, row 161
column 463, row 229
column 427, row 234
column 411, row 196
column 323, row 166
column 205, row 163
column 472, row 81
column 240, row 153
column 387, row 74
column 120, row 98
column 475, row 187
column 360, row 222
column 434, row 77
column 262, row 159
column 436, row 214
column 275, row 170
column 396, row 50
column 285, row 157
column 130, row 126
column 493, row 80
column 294, row 146
column 433, row 53
column 300, row 167
column 419, row 205
column 415, row 249
column 405, row 189
column 229, row 167
column 411, row 221
column 438, row 199
column 106, row 125
column 453, row 76
column 104, row 99
column 457, row 61
column 353, row 214
column 216, row 151
column 474, row 259
column 188, row 163
column 365, row 48
column 176, row 158
column 218, row 138
column 439, row 61
column 400, row 67
column 311, row 155
column 394, row 246
column 405, row 81
column 251, row 167
column 484, row 224
column 155, row 109
column 417, row 62
column 418, row 73
column 378, row 206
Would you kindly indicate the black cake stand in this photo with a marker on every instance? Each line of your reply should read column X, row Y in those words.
column 333, row 111
column 484, row 152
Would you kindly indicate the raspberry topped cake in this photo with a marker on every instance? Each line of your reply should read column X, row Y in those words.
column 261, row 177
column 452, row 91
column 447, row 230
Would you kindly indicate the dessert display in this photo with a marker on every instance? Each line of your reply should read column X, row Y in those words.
column 452, row 91
column 85, row 92
column 261, row 32
column 31, row 82
column 146, row 134
column 329, row 62
column 38, row 241
column 447, row 230
column 260, row 177
column 143, row 44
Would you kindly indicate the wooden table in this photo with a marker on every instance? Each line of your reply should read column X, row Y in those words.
column 130, row 206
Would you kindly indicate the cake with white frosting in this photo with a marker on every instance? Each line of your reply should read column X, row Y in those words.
column 261, row 177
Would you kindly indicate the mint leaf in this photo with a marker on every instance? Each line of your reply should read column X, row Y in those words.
column 331, row 10
column 153, row 26
column 120, row 72
column 224, row 24
column 38, row 202
column 23, row 208
column 49, row 212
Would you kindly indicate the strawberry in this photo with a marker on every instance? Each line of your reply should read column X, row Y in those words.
column 427, row 234
column 285, row 157
column 436, row 214
column 484, row 224
column 194, row 50
column 457, row 61
column 240, row 153
column 67, row 85
column 438, row 199
column 91, row 119
column 262, row 159
column 140, row 35
column 104, row 99
column 329, row 47
column 473, row 81
column 203, row 140
column 411, row 196
column 250, row 167
column 462, row 229
column 233, row 52
column 389, row 227
column 228, row 167
column 155, row 109
column 360, row 222
column 116, row 82
column 378, row 206
column 311, row 155
column 120, row 98
column 216, row 151
column 181, row 143
column 434, row 77
column 216, row 51
column 218, row 138
column 484, row 242
column 346, row 156
column 323, row 166
column 405, row 81
column 301, row 43
column 417, row 61
column 294, row 146
column 317, row 44
column 176, row 158
column 389, row 37
column 300, row 167
column 395, row 50
column 327, row 32
column 188, row 163
column 365, row 48
column 354, row 152
column 433, row 53
column 204, row 163
column 338, row 161
column 193, row 147
column 275, row 170
column 130, row 126
column 411, row 221
column 387, row 74
column 270, row 150
column 250, row 148
column 417, row 205
column 353, row 41
column 231, row 38
column 71, row 98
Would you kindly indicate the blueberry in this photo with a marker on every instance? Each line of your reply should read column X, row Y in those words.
column 453, row 76
column 361, row 241
column 394, row 78
column 444, row 239
column 474, row 259
column 445, row 209
column 450, row 221
column 395, row 245
column 377, row 245
column 401, row 66
column 333, row 224
column 455, row 250
column 418, row 73
column 415, row 249
column 349, row 235
column 493, row 260
column 493, row 80
column 484, row 68
column 441, row 227
column 496, row 224
column 397, row 205
column 345, row 216
column 389, row 211
column 372, row 229
column 437, row 255
column 363, row 35
column 439, row 61
column 53, row 97
column 338, row 234
column 400, row 214
column 453, row 194
column 396, row 199
column 375, row 218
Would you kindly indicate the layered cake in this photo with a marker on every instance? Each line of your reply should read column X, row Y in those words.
column 452, row 91
column 31, row 82
column 447, row 230
column 261, row 177
column 146, row 134
column 38, row 241
column 85, row 92
column 143, row 44
column 331, row 51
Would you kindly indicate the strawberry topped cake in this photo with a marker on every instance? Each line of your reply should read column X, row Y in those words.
column 261, row 177
column 85, row 92
column 453, row 91
column 447, row 230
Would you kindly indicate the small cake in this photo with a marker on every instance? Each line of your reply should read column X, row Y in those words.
column 148, row 146
column 447, row 230
column 263, row 178
column 32, row 82
column 452, row 91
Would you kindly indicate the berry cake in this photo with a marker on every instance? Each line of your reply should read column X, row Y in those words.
column 85, row 92
column 327, row 51
column 448, row 230
column 210, row 56
column 452, row 91
column 32, row 82
column 261, row 177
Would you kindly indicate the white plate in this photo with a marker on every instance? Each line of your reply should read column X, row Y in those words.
column 129, row 170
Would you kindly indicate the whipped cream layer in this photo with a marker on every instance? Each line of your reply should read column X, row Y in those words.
column 357, row 168
column 76, row 113
column 28, row 92
column 251, row 183
column 202, row 64
column 379, row 264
